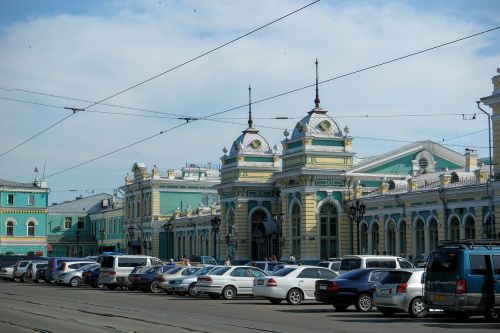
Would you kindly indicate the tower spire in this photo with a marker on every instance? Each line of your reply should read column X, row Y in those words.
column 316, row 100
column 250, row 121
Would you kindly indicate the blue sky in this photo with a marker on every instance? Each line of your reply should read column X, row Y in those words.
column 93, row 49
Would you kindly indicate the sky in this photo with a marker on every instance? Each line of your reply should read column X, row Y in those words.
column 56, row 54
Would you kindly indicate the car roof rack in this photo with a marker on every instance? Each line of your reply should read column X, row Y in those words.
column 469, row 243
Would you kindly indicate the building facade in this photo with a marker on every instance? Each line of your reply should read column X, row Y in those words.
column 23, row 217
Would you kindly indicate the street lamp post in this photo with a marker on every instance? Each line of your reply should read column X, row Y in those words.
column 101, row 233
column 78, row 243
column 278, row 221
column 356, row 213
column 215, row 222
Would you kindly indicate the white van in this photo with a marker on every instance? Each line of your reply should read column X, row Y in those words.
column 116, row 268
column 369, row 261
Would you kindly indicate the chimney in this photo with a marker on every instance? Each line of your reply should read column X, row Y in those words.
column 470, row 160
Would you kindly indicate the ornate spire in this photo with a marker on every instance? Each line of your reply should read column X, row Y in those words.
column 250, row 121
column 316, row 100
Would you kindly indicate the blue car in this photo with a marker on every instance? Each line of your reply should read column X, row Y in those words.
column 91, row 277
column 354, row 287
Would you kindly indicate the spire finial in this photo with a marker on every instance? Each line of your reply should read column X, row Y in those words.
column 250, row 121
column 316, row 100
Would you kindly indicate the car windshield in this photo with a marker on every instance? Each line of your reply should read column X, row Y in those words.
column 203, row 271
column 396, row 277
column 220, row 270
column 284, row 271
column 350, row 264
column 443, row 261
column 173, row 270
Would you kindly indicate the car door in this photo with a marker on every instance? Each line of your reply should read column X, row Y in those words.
column 496, row 279
column 239, row 279
column 252, row 273
column 307, row 281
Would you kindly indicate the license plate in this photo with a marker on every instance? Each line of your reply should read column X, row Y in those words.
column 384, row 292
column 260, row 282
column 323, row 287
column 439, row 298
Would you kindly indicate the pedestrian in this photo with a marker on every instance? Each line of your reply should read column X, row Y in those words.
column 292, row 260
column 227, row 262
column 273, row 258
column 188, row 262
column 171, row 263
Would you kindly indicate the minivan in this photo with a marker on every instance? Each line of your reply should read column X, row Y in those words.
column 372, row 261
column 116, row 268
column 463, row 278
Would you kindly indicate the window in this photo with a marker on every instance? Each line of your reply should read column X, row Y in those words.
column 327, row 274
column 255, row 273
column 328, row 230
column 403, row 263
column 372, row 263
column 239, row 272
column 309, row 273
column 74, row 266
column 31, row 200
column 496, row 264
column 388, row 263
column 132, row 262
column 443, row 261
column 67, row 222
column 31, row 229
column 10, row 199
column 377, row 276
column 478, row 264
column 10, row 228
column 296, row 246
column 81, row 223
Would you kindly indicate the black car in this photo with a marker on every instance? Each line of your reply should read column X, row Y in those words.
column 145, row 280
column 40, row 275
column 91, row 277
column 354, row 287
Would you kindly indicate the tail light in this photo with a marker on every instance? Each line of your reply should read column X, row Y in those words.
column 461, row 287
column 112, row 273
column 333, row 286
column 401, row 288
column 271, row 283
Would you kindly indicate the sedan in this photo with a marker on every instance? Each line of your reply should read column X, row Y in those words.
column 187, row 284
column 401, row 290
column 146, row 280
column 91, row 277
column 354, row 287
column 229, row 281
column 293, row 284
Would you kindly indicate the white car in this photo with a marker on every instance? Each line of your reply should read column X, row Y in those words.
column 7, row 273
column 292, row 283
column 229, row 281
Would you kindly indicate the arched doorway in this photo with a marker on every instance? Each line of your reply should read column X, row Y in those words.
column 375, row 238
column 296, row 225
column 231, row 247
column 470, row 228
column 328, row 221
column 419, row 239
column 391, row 238
column 259, row 243
column 454, row 228
column 433, row 235
column 363, row 238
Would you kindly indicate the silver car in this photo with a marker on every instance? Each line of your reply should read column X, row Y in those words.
column 73, row 278
column 401, row 290
column 187, row 284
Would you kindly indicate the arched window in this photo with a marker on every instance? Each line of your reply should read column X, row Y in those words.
column 419, row 239
column 259, row 234
column 433, row 235
column 391, row 238
column 363, row 238
column 10, row 228
column 31, row 229
column 230, row 222
column 470, row 228
column 296, row 225
column 328, row 221
column 454, row 228
column 375, row 238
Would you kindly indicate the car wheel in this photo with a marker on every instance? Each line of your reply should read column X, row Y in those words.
column 214, row 296
column 75, row 281
column 294, row 296
column 386, row 312
column 340, row 307
column 275, row 300
column 155, row 288
column 491, row 314
column 364, row 303
column 417, row 309
column 192, row 291
column 229, row 292
column 24, row 278
column 111, row 286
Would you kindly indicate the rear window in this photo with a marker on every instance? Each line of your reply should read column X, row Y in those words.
column 131, row 262
column 220, row 270
column 174, row 270
column 284, row 271
column 324, row 264
column 387, row 263
column 478, row 264
column 354, row 275
column 396, row 277
column 107, row 262
column 350, row 264
column 443, row 261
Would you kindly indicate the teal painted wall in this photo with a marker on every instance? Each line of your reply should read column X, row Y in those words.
column 404, row 165
column 170, row 201
column 21, row 199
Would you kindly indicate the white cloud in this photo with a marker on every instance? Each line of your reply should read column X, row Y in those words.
column 92, row 56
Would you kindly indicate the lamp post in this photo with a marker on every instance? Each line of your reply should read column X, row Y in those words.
column 101, row 233
column 356, row 213
column 215, row 222
column 78, row 243
column 278, row 221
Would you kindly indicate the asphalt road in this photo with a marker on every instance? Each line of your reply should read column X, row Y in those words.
column 48, row 308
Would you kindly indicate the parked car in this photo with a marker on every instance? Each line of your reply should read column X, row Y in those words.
column 334, row 265
column 463, row 278
column 401, row 290
column 163, row 279
column 51, row 273
column 145, row 280
column 90, row 276
column 293, row 284
column 74, row 277
column 7, row 273
column 116, row 268
column 40, row 274
column 68, row 266
column 33, row 267
column 229, row 281
column 266, row 266
column 354, row 287
column 372, row 261
column 20, row 270
column 186, row 284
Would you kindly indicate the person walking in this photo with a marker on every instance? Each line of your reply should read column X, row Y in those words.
column 292, row 260
column 227, row 262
